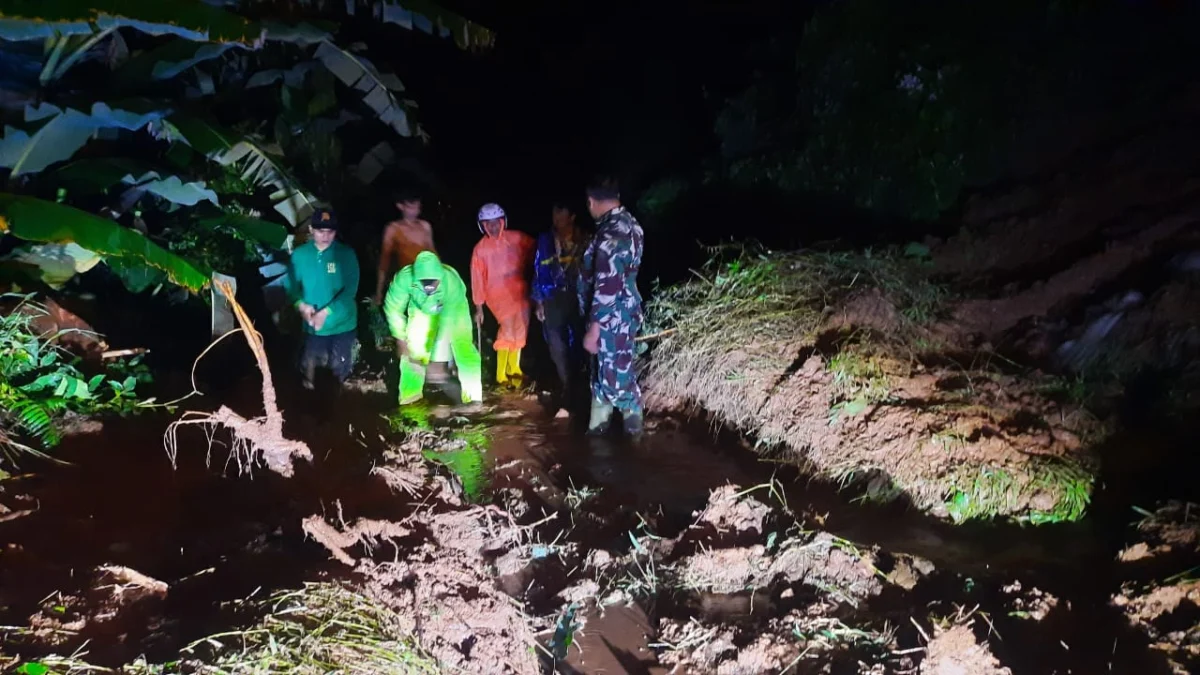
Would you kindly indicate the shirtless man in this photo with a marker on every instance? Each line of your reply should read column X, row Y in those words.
column 402, row 240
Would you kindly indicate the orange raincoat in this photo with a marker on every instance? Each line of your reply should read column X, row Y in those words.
column 499, row 267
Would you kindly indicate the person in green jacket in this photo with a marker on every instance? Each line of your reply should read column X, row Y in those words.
column 323, row 282
column 429, row 316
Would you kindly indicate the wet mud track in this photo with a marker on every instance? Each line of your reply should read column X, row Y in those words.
column 682, row 553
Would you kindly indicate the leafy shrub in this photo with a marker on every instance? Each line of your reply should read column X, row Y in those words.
column 896, row 107
column 40, row 381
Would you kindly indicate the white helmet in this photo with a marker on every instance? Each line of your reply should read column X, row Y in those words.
column 489, row 212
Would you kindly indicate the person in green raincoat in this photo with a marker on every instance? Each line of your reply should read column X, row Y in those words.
column 429, row 316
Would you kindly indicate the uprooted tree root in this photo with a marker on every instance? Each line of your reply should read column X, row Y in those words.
column 260, row 436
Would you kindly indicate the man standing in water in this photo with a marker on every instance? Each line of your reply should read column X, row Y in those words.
column 555, row 279
column 499, row 269
column 322, row 281
column 612, row 306
column 430, row 319
column 402, row 240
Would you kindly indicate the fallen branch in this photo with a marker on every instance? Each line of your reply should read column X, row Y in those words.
column 118, row 353
column 364, row 531
column 655, row 336
column 250, row 436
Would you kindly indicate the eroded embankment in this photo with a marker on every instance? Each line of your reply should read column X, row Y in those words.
column 831, row 356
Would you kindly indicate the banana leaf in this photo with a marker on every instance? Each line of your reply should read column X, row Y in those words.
column 41, row 221
column 259, row 165
column 429, row 17
column 98, row 175
column 376, row 89
column 167, row 61
column 302, row 34
column 56, row 264
column 374, row 162
column 262, row 231
column 292, row 77
column 188, row 19
column 52, row 134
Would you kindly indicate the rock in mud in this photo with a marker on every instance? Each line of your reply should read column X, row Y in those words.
column 956, row 652
column 1032, row 603
column 456, row 612
column 821, row 562
column 727, row 511
column 908, row 570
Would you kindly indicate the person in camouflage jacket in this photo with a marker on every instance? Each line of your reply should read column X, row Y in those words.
column 612, row 307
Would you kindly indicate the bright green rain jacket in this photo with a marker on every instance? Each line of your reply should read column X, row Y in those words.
column 436, row 327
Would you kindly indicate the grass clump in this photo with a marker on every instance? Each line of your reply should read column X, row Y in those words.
column 989, row 492
column 321, row 628
column 750, row 312
column 742, row 290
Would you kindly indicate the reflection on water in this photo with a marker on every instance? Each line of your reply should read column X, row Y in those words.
column 457, row 444
column 469, row 463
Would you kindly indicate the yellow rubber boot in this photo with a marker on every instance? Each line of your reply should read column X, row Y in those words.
column 514, row 364
column 501, row 366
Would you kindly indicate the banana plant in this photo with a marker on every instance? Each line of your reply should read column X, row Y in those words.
column 60, row 116
column 38, row 220
column 258, row 162
column 189, row 19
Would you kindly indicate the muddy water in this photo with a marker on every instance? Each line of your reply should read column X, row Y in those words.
column 663, row 481
column 216, row 537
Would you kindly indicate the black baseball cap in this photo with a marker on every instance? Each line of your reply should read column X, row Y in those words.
column 324, row 219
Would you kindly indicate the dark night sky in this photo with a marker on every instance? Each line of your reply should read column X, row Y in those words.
column 574, row 88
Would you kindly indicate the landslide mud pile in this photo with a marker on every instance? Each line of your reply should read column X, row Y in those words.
column 974, row 376
column 833, row 357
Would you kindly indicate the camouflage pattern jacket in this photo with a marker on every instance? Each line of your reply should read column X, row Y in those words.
column 608, row 292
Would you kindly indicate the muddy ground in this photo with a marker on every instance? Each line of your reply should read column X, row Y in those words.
column 493, row 534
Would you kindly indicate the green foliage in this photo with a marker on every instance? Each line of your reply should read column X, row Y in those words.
column 190, row 113
column 994, row 491
column 39, row 381
column 217, row 244
column 659, row 198
column 896, row 107
column 42, row 221
column 189, row 20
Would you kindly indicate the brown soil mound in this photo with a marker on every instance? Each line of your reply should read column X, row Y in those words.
column 729, row 510
column 955, row 652
column 789, row 351
column 839, row 577
column 821, row 562
column 1166, row 610
column 440, row 582
column 1096, row 195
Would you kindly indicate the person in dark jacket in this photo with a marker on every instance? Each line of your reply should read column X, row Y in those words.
column 612, row 307
column 555, row 280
